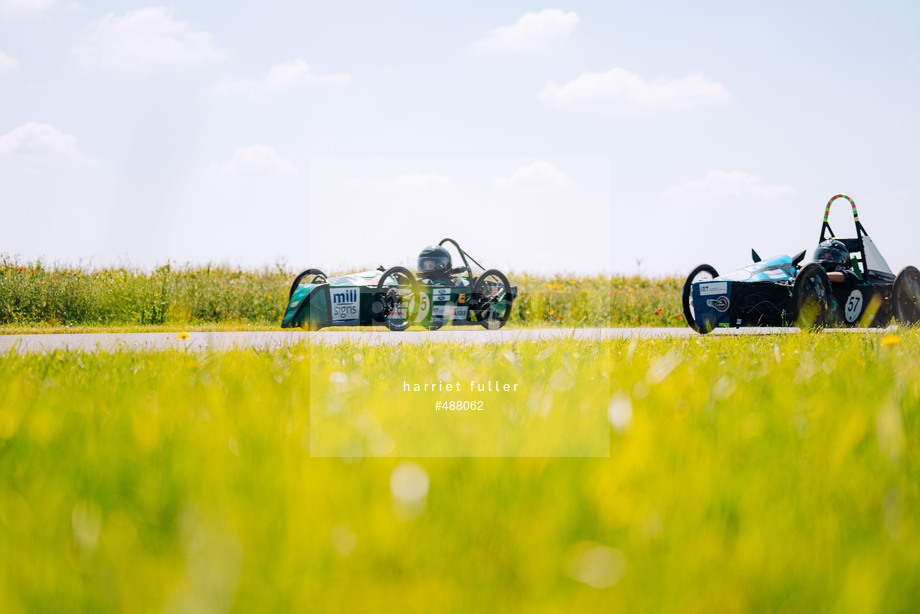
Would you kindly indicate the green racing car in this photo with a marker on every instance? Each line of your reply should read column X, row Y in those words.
column 396, row 298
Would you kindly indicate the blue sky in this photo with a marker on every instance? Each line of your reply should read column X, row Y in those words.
column 570, row 137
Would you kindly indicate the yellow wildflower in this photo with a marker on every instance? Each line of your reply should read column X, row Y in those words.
column 183, row 336
column 891, row 340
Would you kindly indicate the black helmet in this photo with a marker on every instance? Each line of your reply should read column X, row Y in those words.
column 833, row 255
column 434, row 261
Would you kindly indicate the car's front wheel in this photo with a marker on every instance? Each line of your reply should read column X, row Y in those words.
column 396, row 299
column 700, row 273
column 811, row 296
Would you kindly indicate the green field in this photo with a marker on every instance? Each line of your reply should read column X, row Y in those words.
column 776, row 473
column 39, row 298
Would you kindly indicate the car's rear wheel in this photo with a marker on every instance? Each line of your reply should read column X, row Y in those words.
column 492, row 299
column 396, row 299
column 811, row 296
column 700, row 273
column 317, row 277
column 905, row 294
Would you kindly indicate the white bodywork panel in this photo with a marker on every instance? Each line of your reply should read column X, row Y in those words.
column 874, row 259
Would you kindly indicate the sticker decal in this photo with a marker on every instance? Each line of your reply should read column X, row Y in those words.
column 424, row 308
column 344, row 305
column 449, row 312
column 719, row 304
column 713, row 287
column 441, row 294
column 853, row 306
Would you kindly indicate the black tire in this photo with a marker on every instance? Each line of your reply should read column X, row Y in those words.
column 317, row 274
column 491, row 300
column 388, row 298
column 811, row 297
column 696, row 274
column 905, row 294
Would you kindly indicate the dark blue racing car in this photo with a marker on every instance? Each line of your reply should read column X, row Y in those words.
column 848, row 283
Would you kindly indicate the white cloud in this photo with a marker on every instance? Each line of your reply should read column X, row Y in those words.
column 726, row 184
column 531, row 32
column 285, row 76
column 8, row 65
column 17, row 8
column 143, row 39
column 538, row 175
column 258, row 160
column 42, row 143
column 620, row 92
column 298, row 72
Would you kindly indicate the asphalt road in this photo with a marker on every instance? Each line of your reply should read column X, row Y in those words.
column 211, row 341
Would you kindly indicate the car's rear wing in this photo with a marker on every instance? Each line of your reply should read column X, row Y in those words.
column 867, row 260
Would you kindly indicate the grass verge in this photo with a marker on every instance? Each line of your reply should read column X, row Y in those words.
column 745, row 474
column 36, row 296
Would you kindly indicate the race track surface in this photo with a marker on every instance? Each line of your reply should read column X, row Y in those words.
column 215, row 341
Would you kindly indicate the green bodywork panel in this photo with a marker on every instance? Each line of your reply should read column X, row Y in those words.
column 347, row 301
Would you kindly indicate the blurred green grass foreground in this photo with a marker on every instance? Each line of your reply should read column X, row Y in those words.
column 775, row 473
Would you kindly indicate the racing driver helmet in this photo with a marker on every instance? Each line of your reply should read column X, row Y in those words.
column 434, row 261
column 833, row 255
